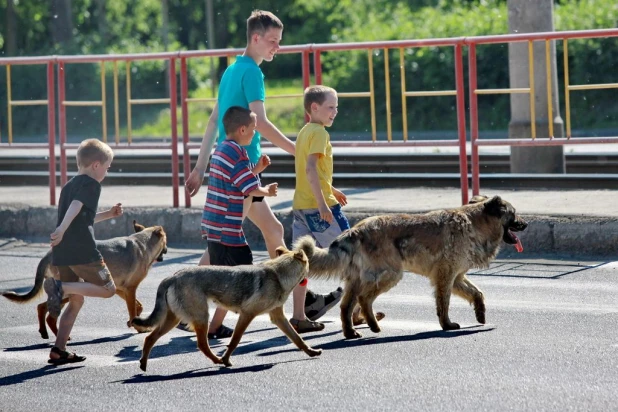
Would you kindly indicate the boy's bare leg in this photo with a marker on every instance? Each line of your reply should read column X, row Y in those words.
column 219, row 315
column 263, row 217
column 87, row 289
column 67, row 320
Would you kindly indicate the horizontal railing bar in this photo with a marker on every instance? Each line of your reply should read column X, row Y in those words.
column 432, row 93
column 503, row 91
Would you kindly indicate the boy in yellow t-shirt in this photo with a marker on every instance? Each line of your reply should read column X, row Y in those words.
column 317, row 204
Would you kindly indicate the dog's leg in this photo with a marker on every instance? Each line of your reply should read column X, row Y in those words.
column 201, row 332
column 168, row 324
column 366, row 305
column 348, row 302
column 53, row 322
column 464, row 288
column 139, row 308
column 132, row 305
column 443, row 288
column 41, row 311
column 278, row 318
column 241, row 326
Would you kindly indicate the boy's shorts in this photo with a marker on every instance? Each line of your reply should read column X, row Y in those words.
column 222, row 255
column 96, row 273
column 309, row 222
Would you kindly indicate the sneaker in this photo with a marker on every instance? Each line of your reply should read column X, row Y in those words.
column 184, row 326
column 317, row 305
column 306, row 325
column 222, row 332
column 53, row 288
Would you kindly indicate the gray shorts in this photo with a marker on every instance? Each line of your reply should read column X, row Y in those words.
column 309, row 222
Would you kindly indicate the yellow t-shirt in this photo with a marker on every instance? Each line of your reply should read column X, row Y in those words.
column 313, row 138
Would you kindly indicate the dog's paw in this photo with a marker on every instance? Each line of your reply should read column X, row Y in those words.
column 375, row 329
column 352, row 334
column 313, row 352
column 226, row 362
column 480, row 315
column 450, row 326
column 142, row 364
column 44, row 333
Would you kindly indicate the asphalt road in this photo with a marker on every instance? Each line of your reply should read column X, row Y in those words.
column 551, row 343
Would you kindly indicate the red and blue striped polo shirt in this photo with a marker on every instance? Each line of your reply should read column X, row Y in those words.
column 229, row 181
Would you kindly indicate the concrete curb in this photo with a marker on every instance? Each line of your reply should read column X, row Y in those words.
column 563, row 235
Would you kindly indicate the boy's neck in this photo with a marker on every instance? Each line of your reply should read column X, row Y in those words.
column 249, row 52
column 86, row 171
column 233, row 138
column 311, row 120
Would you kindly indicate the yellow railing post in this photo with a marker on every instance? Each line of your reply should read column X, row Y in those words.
column 128, row 68
column 8, row 102
column 531, row 83
column 372, row 97
column 116, row 115
column 103, row 109
column 550, row 110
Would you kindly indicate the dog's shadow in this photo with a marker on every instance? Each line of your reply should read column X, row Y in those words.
column 46, row 370
column 203, row 373
column 371, row 340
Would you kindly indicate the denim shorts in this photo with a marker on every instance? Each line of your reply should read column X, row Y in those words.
column 309, row 222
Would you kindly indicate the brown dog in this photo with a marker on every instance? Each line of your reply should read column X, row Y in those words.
column 248, row 290
column 442, row 245
column 128, row 258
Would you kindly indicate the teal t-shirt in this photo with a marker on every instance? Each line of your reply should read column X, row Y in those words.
column 241, row 84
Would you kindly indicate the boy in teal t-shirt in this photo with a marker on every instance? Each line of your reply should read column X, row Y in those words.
column 243, row 85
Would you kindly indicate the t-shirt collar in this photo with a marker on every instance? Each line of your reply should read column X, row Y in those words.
column 245, row 59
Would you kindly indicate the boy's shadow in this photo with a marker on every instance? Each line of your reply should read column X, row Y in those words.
column 34, row 374
column 49, row 344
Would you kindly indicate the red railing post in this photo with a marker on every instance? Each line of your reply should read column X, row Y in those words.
column 461, row 122
column 474, row 119
column 62, row 124
column 184, row 94
column 306, row 74
column 174, row 125
column 51, row 131
column 317, row 66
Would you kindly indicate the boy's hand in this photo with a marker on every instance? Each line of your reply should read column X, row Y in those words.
column 56, row 237
column 116, row 210
column 262, row 164
column 194, row 181
column 325, row 213
column 340, row 196
column 272, row 189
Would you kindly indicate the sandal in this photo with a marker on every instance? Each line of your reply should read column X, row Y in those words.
column 221, row 333
column 361, row 320
column 64, row 357
column 306, row 325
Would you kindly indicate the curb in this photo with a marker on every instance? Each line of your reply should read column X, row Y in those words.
column 562, row 235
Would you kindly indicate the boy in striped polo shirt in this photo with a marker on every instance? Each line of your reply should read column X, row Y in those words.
column 232, row 182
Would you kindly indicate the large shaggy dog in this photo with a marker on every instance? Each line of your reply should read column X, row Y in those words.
column 442, row 245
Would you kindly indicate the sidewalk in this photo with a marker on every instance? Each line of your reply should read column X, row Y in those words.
column 574, row 222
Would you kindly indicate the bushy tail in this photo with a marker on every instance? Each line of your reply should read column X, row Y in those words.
column 38, row 283
column 160, row 309
column 325, row 263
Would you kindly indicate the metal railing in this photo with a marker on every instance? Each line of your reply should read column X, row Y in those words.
column 182, row 97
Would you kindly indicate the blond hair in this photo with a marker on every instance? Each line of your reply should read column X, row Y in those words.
column 93, row 150
column 316, row 94
column 260, row 22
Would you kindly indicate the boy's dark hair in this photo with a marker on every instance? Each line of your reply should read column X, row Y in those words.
column 93, row 150
column 260, row 21
column 236, row 117
column 316, row 94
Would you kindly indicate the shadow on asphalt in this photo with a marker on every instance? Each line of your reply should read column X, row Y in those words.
column 506, row 269
column 349, row 343
column 49, row 344
column 201, row 373
column 35, row 374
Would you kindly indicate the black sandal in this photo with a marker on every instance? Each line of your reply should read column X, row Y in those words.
column 65, row 357
column 221, row 333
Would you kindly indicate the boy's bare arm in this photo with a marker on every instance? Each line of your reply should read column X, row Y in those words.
column 268, row 190
column 314, row 183
column 195, row 179
column 74, row 208
column 269, row 130
column 114, row 211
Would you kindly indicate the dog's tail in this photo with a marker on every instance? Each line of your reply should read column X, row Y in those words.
column 160, row 309
column 38, row 283
column 325, row 263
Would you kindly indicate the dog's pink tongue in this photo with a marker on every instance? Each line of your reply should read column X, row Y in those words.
column 518, row 245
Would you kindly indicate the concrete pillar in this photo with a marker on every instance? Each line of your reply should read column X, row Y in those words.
column 527, row 16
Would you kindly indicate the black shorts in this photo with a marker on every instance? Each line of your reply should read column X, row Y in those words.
column 256, row 198
column 222, row 255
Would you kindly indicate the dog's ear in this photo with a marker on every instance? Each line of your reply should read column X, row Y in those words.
column 158, row 231
column 137, row 227
column 477, row 199
column 281, row 250
column 495, row 207
column 300, row 255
